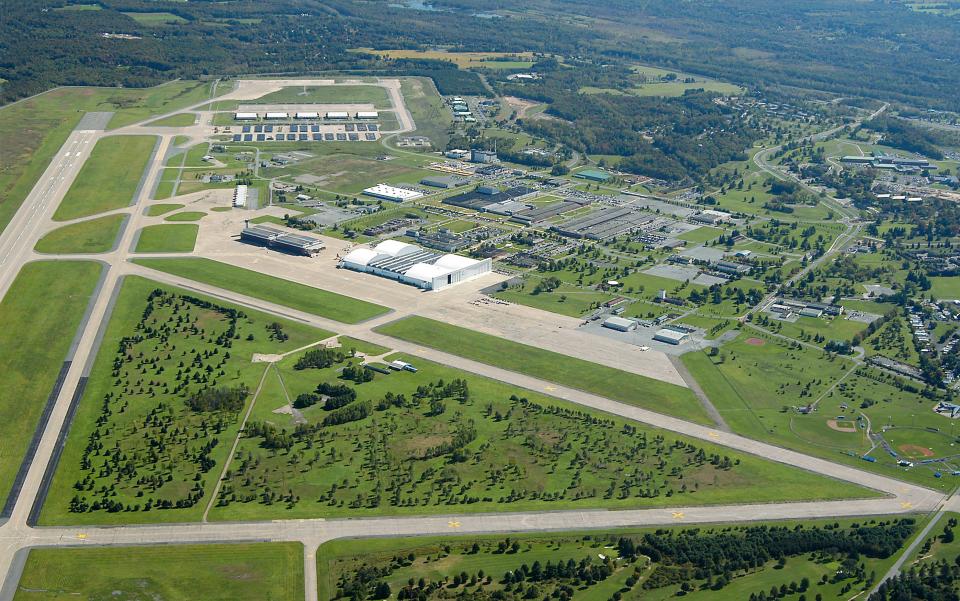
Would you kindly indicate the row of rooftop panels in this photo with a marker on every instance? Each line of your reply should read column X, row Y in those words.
column 304, row 128
column 351, row 137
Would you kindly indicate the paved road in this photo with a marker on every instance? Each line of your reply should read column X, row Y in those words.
column 34, row 219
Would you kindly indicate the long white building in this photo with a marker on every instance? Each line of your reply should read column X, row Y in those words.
column 392, row 193
column 411, row 264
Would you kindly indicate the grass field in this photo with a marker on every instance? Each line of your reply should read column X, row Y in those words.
column 758, row 382
column 501, row 447
column 485, row 561
column 945, row 287
column 276, row 290
column 169, row 484
column 174, row 238
column 109, row 178
column 92, row 236
column 156, row 19
column 338, row 94
column 38, row 319
column 178, row 120
column 431, row 115
column 565, row 300
column 224, row 572
column 552, row 367
column 186, row 216
column 160, row 209
column 33, row 130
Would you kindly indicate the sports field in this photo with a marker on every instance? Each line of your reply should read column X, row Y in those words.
column 225, row 572
column 266, row 287
column 41, row 312
column 92, row 236
column 164, row 238
column 550, row 366
column 109, row 178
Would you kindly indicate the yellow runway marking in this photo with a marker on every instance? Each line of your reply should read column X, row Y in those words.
column 678, row 515
column 81, row 535
column 550, row 388
column 713, row 435
column 453, row 524
column 906, row 505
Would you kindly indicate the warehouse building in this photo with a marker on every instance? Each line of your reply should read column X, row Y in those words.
column 368, row 115
column 620, row 324
column 671, row 335
column 308, row 115
column 288, row 242
column 411, row 264
column 246, row 116
column 278, row 116
column 338, row 115
column 392, row 193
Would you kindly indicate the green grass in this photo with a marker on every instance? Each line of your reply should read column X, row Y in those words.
column 109, row 178
column 132, row 400
column 33, row 130
column 175, row 238
column 178, row 120
column 38, row 319
column 338, row 94
column 159, row 209
column 565, row 300
column 945, row 287
column 225, row 572
column 92, row 236
column 439, row 557
column 156, row 19
column 550, row 366
column 327, row 477
column 758, row 388
column 700, row 235
column 186, row 216
column 269, row 288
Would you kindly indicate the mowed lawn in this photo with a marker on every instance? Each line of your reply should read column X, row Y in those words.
column 109, row 178
column 615, row 384
column 93, row 236
column 227, row 572
column 337, row 94
column 269, row 288
column 168, row 238
column 39, row 317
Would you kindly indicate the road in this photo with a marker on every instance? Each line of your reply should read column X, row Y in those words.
column 35, row 218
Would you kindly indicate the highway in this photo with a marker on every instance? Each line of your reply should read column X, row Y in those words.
column 35, row 219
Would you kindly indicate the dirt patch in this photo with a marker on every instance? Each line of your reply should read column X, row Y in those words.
column 913, row 450
column 756, row 342
column 841, row 426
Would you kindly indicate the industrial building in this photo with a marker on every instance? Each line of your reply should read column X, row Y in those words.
column 411, row 264
column 483, row 156
column 486, row 198
column 368, row 115
column 338, row 115
column 604, row 224
column 296, row 244
column 444, row 181
column 307, row 115
column 277, row 115
column 671, row 335
column 592, row 175
column 711, row 217
column 620, row 324
column 246, row 116
column 392, row 193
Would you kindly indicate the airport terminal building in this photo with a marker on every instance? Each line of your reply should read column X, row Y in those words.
column 411, row 264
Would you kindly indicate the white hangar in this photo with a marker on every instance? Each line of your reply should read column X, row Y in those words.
column 411, row 264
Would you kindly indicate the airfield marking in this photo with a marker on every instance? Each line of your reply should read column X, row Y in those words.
column 678, row 515
column 453, row 524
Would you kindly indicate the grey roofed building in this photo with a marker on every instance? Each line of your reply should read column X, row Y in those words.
column 621, row 324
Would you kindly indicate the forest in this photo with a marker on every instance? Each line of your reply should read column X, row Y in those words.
column 818, row 44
